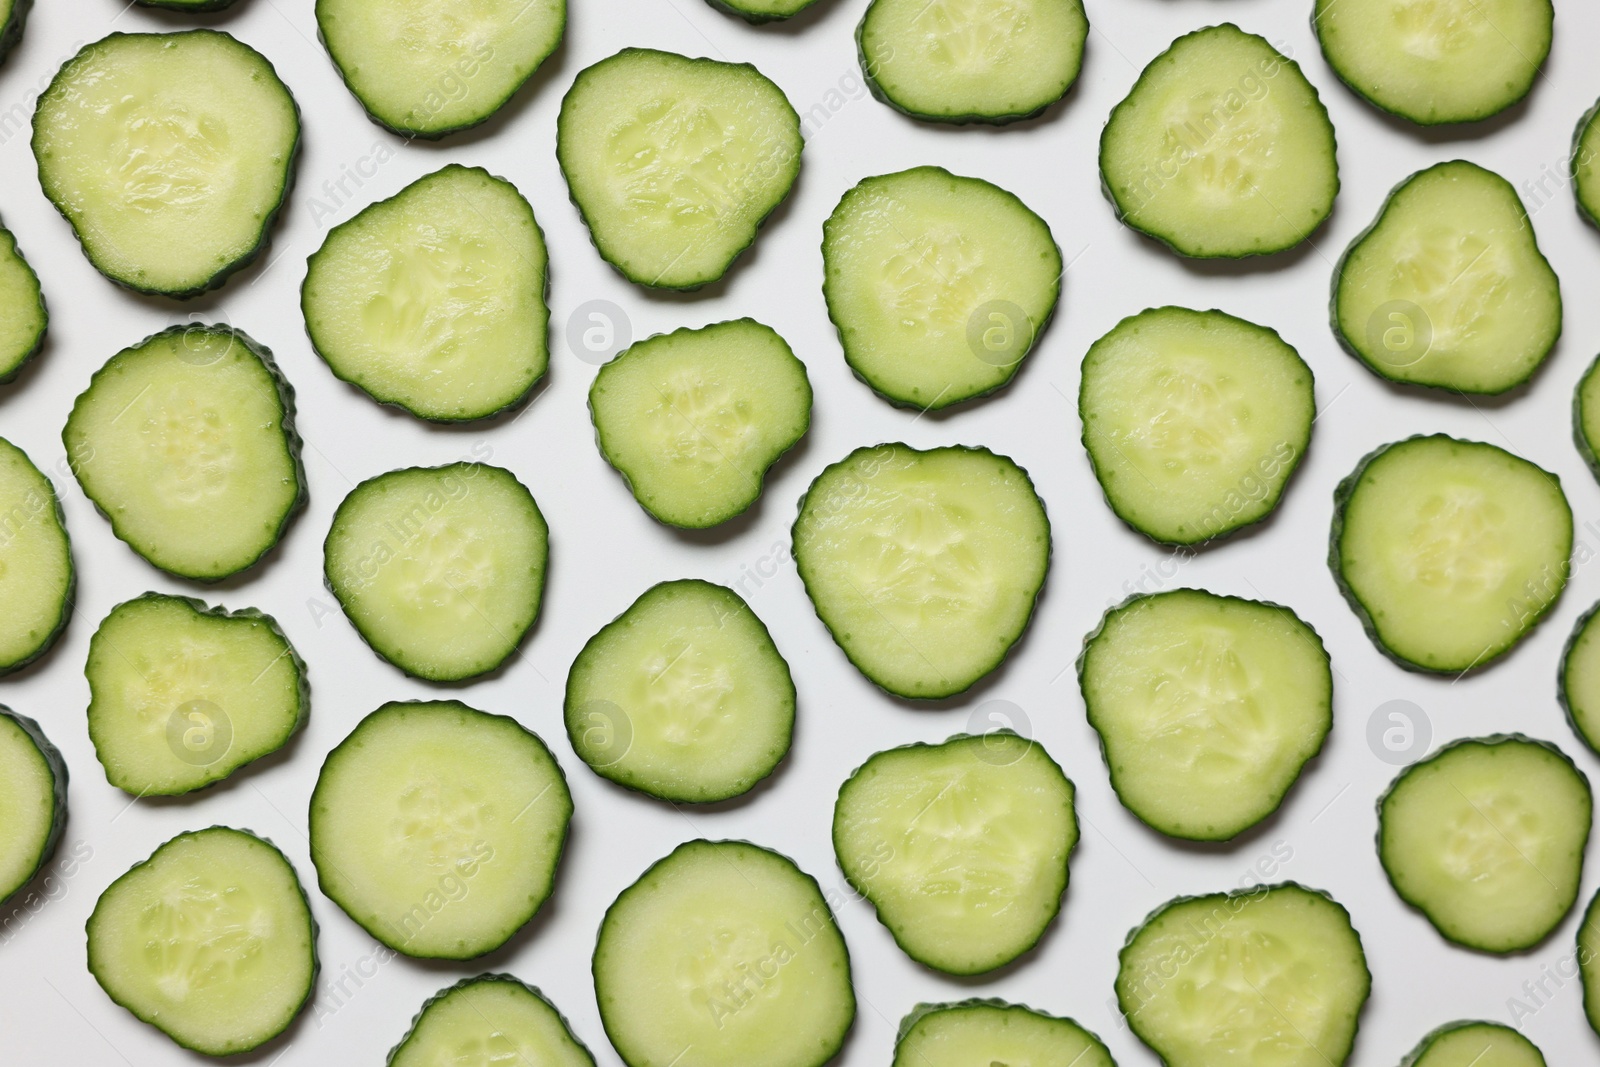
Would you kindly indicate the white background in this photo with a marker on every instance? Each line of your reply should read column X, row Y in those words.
column 606, row 550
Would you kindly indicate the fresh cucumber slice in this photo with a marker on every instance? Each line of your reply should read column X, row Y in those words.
column 1450, row 552
column 1589, row 962
column 1486, row 838
column 1584, row 165
column 1194, row 421
column 434, row 300
column 962, row 847
column 694, row 419
column 23, row 317
column 1475, row 1044
column 723, row 954
column 33, row 801
column 924, row 566
column 489, row 1021
column 1207, row 707
column 37, row 577
column 438, row 827
column 427, row 68
column 169, row 153
column 1586, row 417
column 186, row 442
column 1579, row 683
column 13, row 13
column 182, row 695
column 210, row 940
column 1270, row 974
column 675, row 162
column 939, row 285
column 757, row 12
column 439, row 569
column 683, row 696
column 1447, row 287
column 992, row 1031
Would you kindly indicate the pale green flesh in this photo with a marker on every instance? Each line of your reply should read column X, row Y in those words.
column 683, row 697
column 1586, row 165
column 723, row 955
column 938, row 284
column 693, row 419
column 209, row 940
column 1477, row 1045
column 438, row 827
column 766, row 9
column 434, row 299
column 1448, row 288
column 1587, row 416
column 35, row 560
column 962, row 847
column 1194, row 421
column 22, row 314
column 969, row 1035
column 1207, row 708
column 1589, row 962
column 1580, row 679
column 490, row 1022
column 1486, row 839
column 27, row 806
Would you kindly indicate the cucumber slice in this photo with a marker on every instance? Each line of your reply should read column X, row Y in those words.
column 169, row 153
column 683, row 697
column 210, row 940
column 674, row 163
column 1448, row 288
column 924, row 566
column 1584, row 165
column 939, row 285
column 33, row 801
column 1579, row 683
column 438, row 827
column 1486, row 837
column 1221, row 149
column 1475, row 1044
column 1194, row 421
column 427, row 68
column 992, row 1031
column 1270, row 974
column 962, row 847
column 186, row 442
column 1208, row 708
column 1586, row 417
column 439, row 569
column 757, row 12
column 1450, row 552
column 181, row 695
column 1588, row 955
column 1434, row 63
column 434, row 300
column 694, row 419
column 13, row 13
column 493, row 1019
column 723, row 954
column 23, row 317
column 37, row 577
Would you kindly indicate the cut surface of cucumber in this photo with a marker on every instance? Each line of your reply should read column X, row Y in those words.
column 723, row 954
column 1450, row 552
column 489, row 1021
column 683, row 696
column 992, row 1031
column 33, row 801
column 434, row 300
column 210, row 941
column 1448, row 288
column 37, row 576
column 1194, row 421
column 1579, row 682
column 23, row 317
column 438, row 827
column 675, row 162
column 1475, row 1044
column 1589, row 962
column 938, row 284
column 962, row 847
column 169, row 153
column 924, row 566
column 1586, row 417
column 1486, row 839
column 13, row 14
column 760, row 11
column 440, row 569
column 1222, row 149
column 693, row 419
column 1584, row 166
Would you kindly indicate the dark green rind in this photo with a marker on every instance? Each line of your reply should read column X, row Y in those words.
column 755, row 18
column 194, row 6
column 1586, row 448
column 69, row 598
column 926, row 1009
column 466, row 983
column 1415, row 1056
column 11, row 32
column 58, row 799
column 44, row 326
column 1589, row 963
column 1561, row 678
column 1573, row 162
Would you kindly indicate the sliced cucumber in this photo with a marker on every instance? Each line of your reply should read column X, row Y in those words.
column 1221, row 149
column 1586, row 417
column 1486, row 837
column 37, row 577
column 939, row 285
column 434, row 300
column 992, row 1031
column 1194, row 421
column 186, row 442
column 438, row 827
column 33, row 801
column 723, row 954
column 13, row 13
column 23, row 317
column 683, row 696
column 1588, row 954
column 1579, row 683
column 694, row 419
column 674, row 162
column 1584, row 165
column 439, row 569
column 962, row 847
column 757, row 12
column 210, row 940
column 924, row 566
column 1450, row 552
column 1266, row 975
column 169, row 153
column 1448, row 287
column 489, row 1021
column 1475, row 1044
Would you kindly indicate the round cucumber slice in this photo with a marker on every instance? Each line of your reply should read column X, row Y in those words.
column 694, row 419
column 1475, row 1044
column 1579, row 686
column 23, row 317
column 1586, row 417
column 1589, row 962
column 491, row 1019
column 723, row 954
column 757, row 12
column 1584, row 165
column 992, row 1031
column 438, row 827
column 13, row 13
column 939, row 285
column 962, row 847
column 924, row 566
column 1450, row 552
column 33, row 801
column 37, row 577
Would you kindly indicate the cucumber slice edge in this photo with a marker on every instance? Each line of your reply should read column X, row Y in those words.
column 59, row 775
